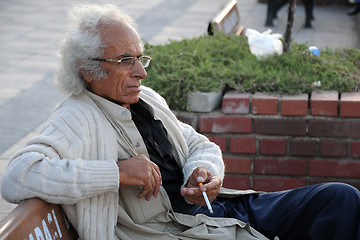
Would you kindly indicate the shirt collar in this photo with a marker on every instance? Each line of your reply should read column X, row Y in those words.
column 111, row 109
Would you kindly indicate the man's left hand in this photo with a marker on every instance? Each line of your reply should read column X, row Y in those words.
column 211, row 185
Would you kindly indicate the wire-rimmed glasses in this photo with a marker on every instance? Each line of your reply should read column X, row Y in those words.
column 127, row 62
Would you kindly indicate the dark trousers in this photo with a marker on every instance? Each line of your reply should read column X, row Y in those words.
column 319, row 212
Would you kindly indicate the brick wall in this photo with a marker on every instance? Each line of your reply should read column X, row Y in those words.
column 274, row 143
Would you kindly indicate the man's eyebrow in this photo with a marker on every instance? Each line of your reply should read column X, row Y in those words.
column 128, row 54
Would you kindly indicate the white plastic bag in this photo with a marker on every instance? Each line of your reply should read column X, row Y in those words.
column 265, row 43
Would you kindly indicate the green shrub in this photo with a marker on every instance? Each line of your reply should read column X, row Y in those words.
column 223, row 61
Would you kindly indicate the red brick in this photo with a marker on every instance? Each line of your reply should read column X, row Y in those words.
column 238, row 165
column 236, row 103
column 334, row 128
column 329, row 148
column 324, row 103
column 243, row 145
column 302, row 147
column 277, row 184
column 334, row 168
column 350, row 104
column 225, row 124
column 296, row 167
column 220, row 141
column 288, row 127
column 263, row 104
column 355, row 149
column 237, row 182
column 296, row 105
column 273, row 146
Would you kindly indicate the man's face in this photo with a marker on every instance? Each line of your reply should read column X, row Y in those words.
column 122, row 84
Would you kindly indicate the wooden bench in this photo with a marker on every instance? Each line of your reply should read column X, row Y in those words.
column 35, row 219
column 227, row 20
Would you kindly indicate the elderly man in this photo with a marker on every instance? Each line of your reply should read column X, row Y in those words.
column 123, row 167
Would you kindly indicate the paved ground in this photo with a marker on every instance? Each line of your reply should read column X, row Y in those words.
column 31, row 32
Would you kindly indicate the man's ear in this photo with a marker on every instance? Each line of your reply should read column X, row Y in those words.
column 87, row 77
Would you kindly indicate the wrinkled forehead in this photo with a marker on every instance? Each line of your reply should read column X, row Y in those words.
column 120, row 39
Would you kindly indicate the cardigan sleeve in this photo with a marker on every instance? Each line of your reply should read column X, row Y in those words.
column 201, row 152
column 64, row 163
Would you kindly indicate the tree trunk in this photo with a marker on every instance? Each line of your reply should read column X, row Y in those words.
column 290, row 22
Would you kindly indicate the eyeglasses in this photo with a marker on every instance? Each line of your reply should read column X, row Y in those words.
column 127, row 62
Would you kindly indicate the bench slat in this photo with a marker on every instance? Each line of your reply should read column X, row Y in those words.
column 36, row 219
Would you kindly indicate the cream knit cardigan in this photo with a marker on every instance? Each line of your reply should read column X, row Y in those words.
column 73, row 161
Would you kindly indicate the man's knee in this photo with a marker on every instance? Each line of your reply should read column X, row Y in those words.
column 339, row 192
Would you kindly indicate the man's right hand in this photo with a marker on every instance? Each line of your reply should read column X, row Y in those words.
column 140, row 171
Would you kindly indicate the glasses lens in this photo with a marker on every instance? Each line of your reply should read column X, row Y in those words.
column 144, row 61
column 127, row 62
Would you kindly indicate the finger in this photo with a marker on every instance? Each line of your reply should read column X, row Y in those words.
column 197, row 176
column 202, row 188
column 213, row 188
column 151, row 189
column 210, row 183
column 212, row 195
column 213, row 182
column 156, row 168
column 201, row 174
column 147, row 184
column 193, row 194
column 192, row 197
column 145, row 189
column 157, row 183
column 198, row 199
column 153, row 178
column 210, row 186
column 158, row 173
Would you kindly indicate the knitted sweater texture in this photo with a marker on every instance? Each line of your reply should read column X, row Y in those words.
column 73, row 161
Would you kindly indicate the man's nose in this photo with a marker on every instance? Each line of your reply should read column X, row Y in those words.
column 138, row 70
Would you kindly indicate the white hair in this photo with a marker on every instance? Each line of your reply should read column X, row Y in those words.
column 83, row 43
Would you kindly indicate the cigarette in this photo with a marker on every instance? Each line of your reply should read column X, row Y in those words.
column 207, row 200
